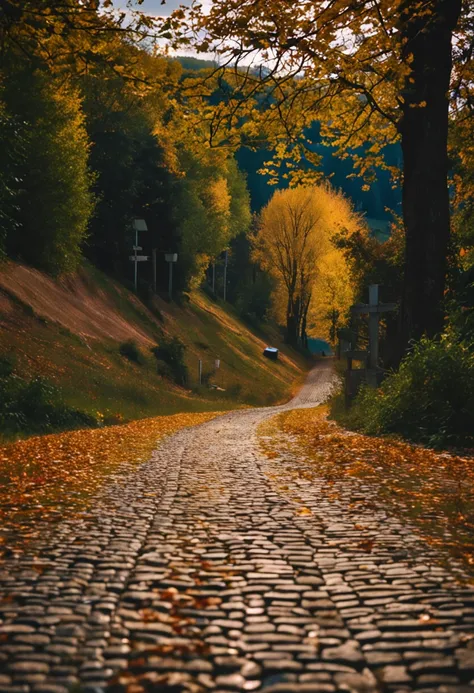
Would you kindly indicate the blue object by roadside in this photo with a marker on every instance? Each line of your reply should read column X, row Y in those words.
column 271, row 353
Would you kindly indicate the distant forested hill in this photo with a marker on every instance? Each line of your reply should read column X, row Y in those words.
column 376, row 203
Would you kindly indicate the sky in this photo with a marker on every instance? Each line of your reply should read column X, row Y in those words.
column 155, row 6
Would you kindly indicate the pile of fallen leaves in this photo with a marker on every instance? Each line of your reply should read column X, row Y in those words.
column 45, row 476
column 435, row 490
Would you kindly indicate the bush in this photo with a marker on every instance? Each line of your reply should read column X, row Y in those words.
column 430, row 399
column 36, row 406
column 170, row 353
column 7, row 366
column 207, row 375
column 130, row 351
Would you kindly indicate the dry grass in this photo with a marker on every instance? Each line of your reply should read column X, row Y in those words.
column 70, row 333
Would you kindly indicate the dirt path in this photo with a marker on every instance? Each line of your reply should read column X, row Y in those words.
column 204, row 571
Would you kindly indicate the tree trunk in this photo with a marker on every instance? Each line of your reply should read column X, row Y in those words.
column 424, row 133
column 292, row 321
column 303, row 334
column 291, row 336
column 304, row 322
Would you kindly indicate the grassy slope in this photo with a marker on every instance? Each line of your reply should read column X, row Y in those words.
column 70, row 333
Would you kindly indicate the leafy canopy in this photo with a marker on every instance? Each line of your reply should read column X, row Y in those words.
column 294, row 243
column 282, row 65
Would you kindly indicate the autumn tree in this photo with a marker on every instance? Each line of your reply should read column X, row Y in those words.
column 45, row 49
column 333, row 294
column 294, row 244
column 212, row 206
column 131, row 160
column 372, row 72
column 72, row 37
column 11, row 152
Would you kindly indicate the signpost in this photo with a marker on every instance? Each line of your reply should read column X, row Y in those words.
column 225, row 273
column 170, row 259
column 154, row 269
column 138, row 225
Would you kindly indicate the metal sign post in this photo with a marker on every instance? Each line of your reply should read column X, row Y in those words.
column 154, row 269
column 170, row 259
column 225, row 274
column 138, row 225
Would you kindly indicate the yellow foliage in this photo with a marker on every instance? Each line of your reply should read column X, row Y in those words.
column 219, row 196
column 294, row 243
column 332, row 296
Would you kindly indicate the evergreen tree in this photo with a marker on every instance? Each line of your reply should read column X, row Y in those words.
column 53, row 203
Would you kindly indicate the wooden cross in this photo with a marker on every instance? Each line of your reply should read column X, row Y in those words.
column 374, row 309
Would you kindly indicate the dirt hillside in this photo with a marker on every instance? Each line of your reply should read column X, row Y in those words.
column 70, row 331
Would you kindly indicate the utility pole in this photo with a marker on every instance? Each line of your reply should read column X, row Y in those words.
column 135, row 250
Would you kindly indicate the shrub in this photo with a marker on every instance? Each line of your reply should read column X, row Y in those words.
column 235, row 391
column 170, row 352
column 130, row 351
column 430, row 399
column 6, row 366
column 36, row 406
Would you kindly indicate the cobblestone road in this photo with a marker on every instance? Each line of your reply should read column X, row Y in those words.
column 199, row 573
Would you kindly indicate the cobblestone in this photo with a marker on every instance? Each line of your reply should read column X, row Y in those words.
column 198, row 573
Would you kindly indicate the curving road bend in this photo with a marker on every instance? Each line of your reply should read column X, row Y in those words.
column 199, row 573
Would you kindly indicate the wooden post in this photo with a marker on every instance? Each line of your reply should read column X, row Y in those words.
column 348, row 388
column 225, row 275
column 373, row 309
column 136, row 261
column 373, row 327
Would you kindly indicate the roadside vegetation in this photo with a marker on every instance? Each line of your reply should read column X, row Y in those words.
column 429, row 400
column 427, row 396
